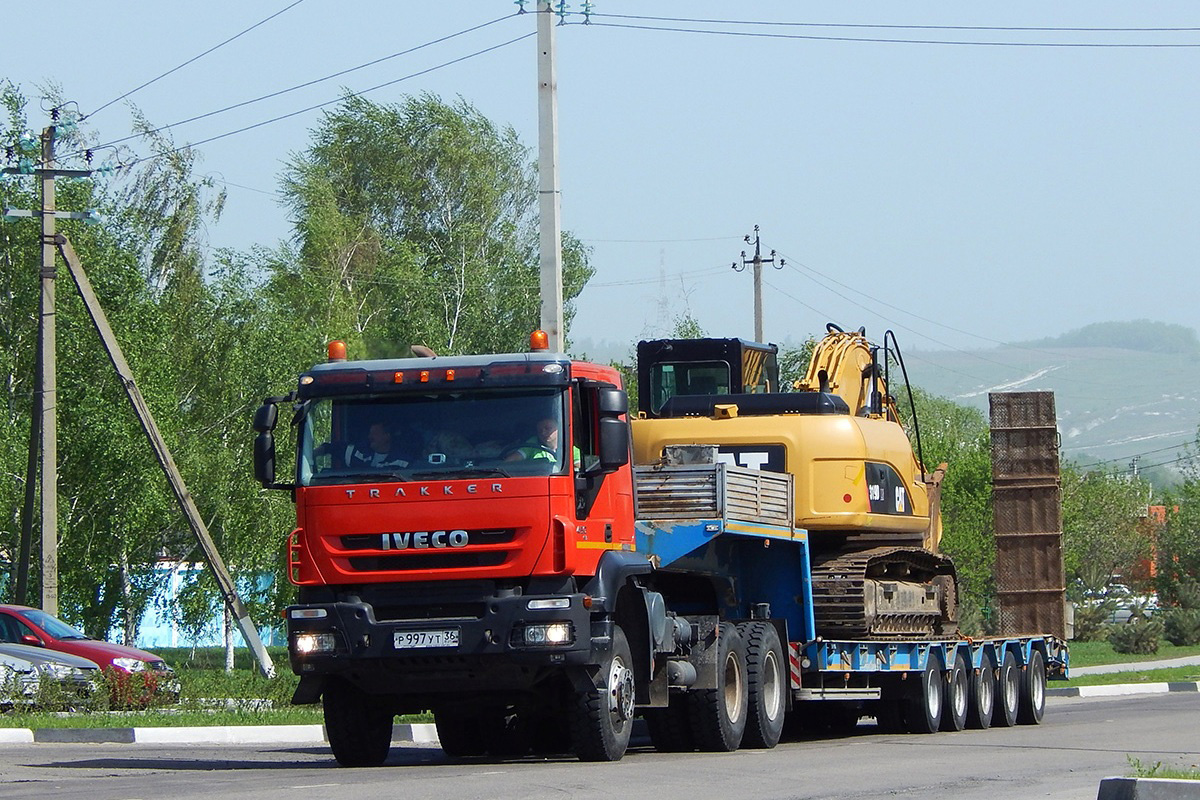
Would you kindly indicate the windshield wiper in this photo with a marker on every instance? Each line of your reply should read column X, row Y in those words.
column 466, row 472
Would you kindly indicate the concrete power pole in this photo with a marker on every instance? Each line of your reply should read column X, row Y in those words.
column 550, row 228
column 54, row 243
column 757, row 262
column 47, row 341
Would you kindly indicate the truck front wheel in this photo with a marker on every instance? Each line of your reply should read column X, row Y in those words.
column 603, row 715
column 359, row 726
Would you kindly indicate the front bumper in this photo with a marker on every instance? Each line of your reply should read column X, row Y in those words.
column 491, row 653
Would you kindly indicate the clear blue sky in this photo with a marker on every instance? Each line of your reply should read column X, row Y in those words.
column 1007, row 192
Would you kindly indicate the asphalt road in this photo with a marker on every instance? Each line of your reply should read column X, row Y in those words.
column 1081, row 741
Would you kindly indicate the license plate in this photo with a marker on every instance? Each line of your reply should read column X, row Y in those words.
column 412, row 640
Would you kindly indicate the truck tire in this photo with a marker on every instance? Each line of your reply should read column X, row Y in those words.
column 718, row 715
column 1033, row 690
column 981, row 702
column 766, row 685
column 507, row 732
column 602, row 717
column 1008, row 692
column 358, row 725
column 670, row 729
column 460, row 732
column 957, row 689
column 923, row 709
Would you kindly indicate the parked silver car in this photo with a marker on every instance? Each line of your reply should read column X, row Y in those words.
column 23, row 667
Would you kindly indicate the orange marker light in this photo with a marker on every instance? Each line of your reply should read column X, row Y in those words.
column 539, row 340
column 398, row 377
column 449, row 374
column 337, row 350
column 424, row 376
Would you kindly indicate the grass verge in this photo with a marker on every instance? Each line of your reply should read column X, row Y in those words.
column 1169, row 675
column 1093, row 654
column 1157, row 770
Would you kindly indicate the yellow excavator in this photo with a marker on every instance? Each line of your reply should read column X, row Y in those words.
column 861, row 489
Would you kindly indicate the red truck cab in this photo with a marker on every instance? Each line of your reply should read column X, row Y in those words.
column 464, row 525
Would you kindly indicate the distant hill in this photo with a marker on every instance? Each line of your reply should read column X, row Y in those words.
column 1142, row 335
column 1122, row 389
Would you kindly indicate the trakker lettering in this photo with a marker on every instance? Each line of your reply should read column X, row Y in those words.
column 421, row 540
column 425, row 491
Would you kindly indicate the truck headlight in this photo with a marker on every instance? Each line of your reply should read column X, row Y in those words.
column 306, row 643
column 545, row 634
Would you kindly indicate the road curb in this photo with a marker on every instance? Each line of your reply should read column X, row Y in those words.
column 423, row 733
column 1148, row 789
column 1122, row 689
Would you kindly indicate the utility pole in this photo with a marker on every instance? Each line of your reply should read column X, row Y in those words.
column 52, row 243
column 757, row 261
column 549, row 194
column 48, row 389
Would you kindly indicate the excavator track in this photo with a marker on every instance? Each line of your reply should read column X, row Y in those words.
column 884, row 591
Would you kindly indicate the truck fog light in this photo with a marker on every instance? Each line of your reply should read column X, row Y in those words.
column 306, row 643
column 548, row 634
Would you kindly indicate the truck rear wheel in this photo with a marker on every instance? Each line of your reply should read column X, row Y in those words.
column 359, row 726
column 460, row 732
column 719, row 715
column 766, row 685
column 923, row 710
column 957, row 689
column 603, row 715
column 981, row 702
column 1033, row 690
column 1008, row 692
column 670, row 729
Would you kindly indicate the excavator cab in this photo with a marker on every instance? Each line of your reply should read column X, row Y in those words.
column 702, row 368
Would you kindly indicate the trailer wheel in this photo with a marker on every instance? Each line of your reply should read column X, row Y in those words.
column 718, row 715
column 957, row 688
column 923, row 711
column 1008, row 692
column 766, row 685
column 670, row 730
column 460, row 732
column 1033, row 690
column 358, row 725
column 603, row 715
column 981, row 702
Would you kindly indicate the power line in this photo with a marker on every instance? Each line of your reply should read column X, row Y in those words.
column 194, row 58
column 793, row 263
column 660, row 241
column 881, row 40
column 304, row 85
column 331, row 102
column 861, row 25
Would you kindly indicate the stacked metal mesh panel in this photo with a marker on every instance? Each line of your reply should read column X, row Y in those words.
column 1027, row 513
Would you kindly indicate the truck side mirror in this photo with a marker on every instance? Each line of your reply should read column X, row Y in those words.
column 264, row 459
column 614, row 443
column 613, row 447
column 266, row 417
column 264, row 444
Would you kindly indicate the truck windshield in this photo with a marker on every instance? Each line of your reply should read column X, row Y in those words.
column 440, row 435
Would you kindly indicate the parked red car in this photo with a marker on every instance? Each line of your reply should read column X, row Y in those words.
column 24, row 625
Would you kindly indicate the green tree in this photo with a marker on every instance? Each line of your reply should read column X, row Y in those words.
column 417, row 223
column 958, row 436
column 1103, row 534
